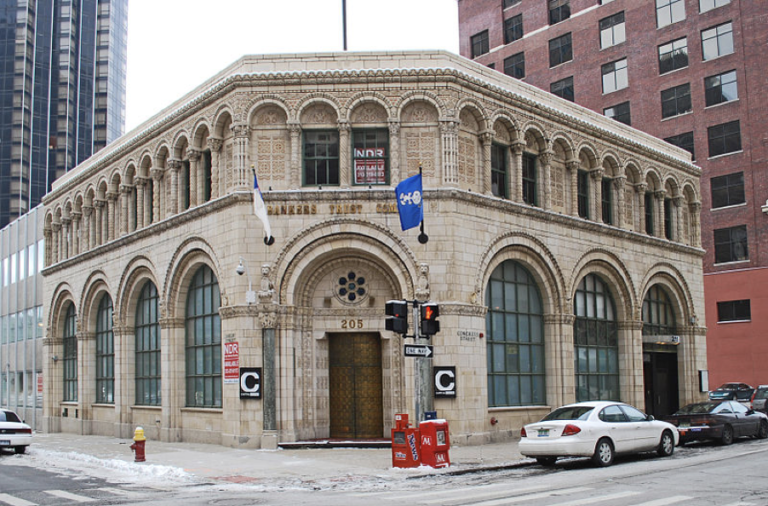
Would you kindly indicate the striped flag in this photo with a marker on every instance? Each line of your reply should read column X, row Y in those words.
column 259, row 209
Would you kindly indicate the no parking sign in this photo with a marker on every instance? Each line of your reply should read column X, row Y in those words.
column 250, row 382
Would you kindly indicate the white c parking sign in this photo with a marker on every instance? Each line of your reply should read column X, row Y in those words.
column 250, row 382
column 445, row 381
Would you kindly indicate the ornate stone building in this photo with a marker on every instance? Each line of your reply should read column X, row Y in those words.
column 562, row 245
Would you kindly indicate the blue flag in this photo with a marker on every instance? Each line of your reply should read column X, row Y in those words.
column 409, row 202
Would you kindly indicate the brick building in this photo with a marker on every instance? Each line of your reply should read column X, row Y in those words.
column 691, row 72
column 147, row 320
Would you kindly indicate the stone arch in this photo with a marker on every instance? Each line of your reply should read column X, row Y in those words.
column 689, row 192
column 505, row 127
column 652, row 178
column 610, row 164
column 145, row 164
column 677, row 288
column 130, row 173
column 223, row 119
column 615, row 274
column 411, row 97
column 633, row 171
column 162, row 154
column 366, row 97
column 322, row 101
column 180, row 145
column 562, row 145
column 672, row 186
column 588, row 158
column 535, row 137
column 471, row 106
column 94, row 288
column 200, row 135
column 280, row 112
column 188, row 257
column 139, row 270
column 61, row 298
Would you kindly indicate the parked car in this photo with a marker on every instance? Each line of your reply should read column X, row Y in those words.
column 14, row 433
column 598, row 429
column 719, row 420
column 732, row 392
column 760, row 399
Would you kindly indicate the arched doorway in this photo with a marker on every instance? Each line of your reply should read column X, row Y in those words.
column 659, row 353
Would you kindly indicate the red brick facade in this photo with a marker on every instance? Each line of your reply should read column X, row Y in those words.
column 737, row 351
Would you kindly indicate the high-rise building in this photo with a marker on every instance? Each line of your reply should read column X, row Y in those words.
column 62, row 91
column 691, row 72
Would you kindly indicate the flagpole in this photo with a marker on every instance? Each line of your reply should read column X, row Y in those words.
column 423, row 238
column 268, row 239
column 344, row 21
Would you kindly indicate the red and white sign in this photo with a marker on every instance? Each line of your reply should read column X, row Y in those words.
column 231, row 362
column 40, row 383
column 370, row 172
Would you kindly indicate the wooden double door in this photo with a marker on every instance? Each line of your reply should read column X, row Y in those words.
column 355, row 386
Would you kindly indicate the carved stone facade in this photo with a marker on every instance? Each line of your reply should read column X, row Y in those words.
column 171, row 207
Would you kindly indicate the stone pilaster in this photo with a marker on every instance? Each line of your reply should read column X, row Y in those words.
column 141, row 211
column 111, row 214
column 449, row 136
column 618, row 186
column 659, row 195
column 394, row 151
column 157, row 177
column 295, row 178
column 174, row 206
column 641, row 189
column 77, row 217
column 544, row 189
column 242, row 135
column 195, row 186
column 695, row 209
column 597, row 194
column 48, row 235
column 345, row 164
column 126, row 209
column 98, row 224
column 215, row 146
column 87, row 229
column 677, row 232
column 66, row 237
column 516, row 178
column 56, row 241
column 484, row 176
column 573, row 167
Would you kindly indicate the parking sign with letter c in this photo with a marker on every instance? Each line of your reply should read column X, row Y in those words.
column 250, row 382
column 445, row 381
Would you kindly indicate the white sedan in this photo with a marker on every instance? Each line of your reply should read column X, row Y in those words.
column 13, row 432
column 598, row 429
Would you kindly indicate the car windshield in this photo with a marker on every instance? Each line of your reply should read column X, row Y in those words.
column 569, row 413
column 729, row 386
column 762, row 394
column 8, row 416
column 699, row 407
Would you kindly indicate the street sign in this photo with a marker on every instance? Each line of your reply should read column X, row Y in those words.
column 445, row 382
column 418, row 350
column 250, row 382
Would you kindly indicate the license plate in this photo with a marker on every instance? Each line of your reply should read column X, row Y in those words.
column 543, row 432
column 5, row 442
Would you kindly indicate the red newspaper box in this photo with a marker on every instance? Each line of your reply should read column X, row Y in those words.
column 435, row 443
column 405, row 443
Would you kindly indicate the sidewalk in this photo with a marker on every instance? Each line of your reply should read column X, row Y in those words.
column 213, row 463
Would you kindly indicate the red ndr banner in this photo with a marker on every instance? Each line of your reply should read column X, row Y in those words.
column 370, row 171
column 231, row 361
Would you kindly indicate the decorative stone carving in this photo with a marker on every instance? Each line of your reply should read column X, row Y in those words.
column 422, row 282
column 267, row 289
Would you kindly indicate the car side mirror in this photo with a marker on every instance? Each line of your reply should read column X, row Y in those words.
column 650, row 418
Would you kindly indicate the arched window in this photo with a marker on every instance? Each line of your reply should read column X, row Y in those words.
column 514, row 325
column 147, row 331
column 596, row 342
column 203, row 338
column 70, row 356
column 658, row 316
column 105, row 353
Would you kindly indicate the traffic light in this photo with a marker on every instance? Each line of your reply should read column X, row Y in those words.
column 429, row 324
column 397, row 311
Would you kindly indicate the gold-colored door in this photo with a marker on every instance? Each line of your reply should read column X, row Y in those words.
column 355, row 386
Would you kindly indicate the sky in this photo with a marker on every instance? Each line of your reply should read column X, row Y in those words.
column 175, row 45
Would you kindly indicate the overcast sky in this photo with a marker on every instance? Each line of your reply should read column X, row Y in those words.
column 175, row 45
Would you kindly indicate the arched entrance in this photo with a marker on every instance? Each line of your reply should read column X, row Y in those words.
column 660, row 343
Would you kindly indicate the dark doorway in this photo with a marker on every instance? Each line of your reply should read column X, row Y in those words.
column 355, row 386
column 661, row 387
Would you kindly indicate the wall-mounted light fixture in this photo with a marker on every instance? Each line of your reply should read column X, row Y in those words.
column 55, row 358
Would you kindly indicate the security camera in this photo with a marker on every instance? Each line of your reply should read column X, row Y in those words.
column 240, row 269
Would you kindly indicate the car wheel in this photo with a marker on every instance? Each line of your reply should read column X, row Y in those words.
column 727, row 437
column 666, row 445
column 20, row 449
column 762, row 433
column 546, row 461
column 603, row 456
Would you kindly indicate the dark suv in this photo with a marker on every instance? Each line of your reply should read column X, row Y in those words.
column 732, row 392
column 760, row 399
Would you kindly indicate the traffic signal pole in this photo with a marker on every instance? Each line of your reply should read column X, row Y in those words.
column 422, row 371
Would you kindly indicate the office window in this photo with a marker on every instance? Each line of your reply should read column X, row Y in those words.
column 684, row 141
column 479, row 43
column 734, row 311
column 499, row 170
column 563, row 88
column 582, row 193
column 321, row 157
column 615, row 76
column 203, row 341
column 509, row 3
column 619, row 112
column 673, row 55
column 370, row 150
column 669, row 11
column 727, row 190
column 560, row 50
column 513, row 28
column 708, row 5
column 529, row 179
column 721, row 88
column 607, row 200
column 725, row 138
column 105, row 353
column 717, row 41
column 731, row 244
column 515, row 65
column 612, row 30
column 676, row 101
column 559, row 10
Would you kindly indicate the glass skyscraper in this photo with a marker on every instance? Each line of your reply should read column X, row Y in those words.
column 62, row 91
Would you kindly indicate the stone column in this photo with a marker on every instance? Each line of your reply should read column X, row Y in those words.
column 677, row 232
column 174, row 205
column 484, row 176
column 544, row 191
column 87, row 233
column 659, row 196
column 449, row 136
column 695, row 209
column 66, row 237
column 125, row 221
column 157, row 193
column 573, row 169
column 99, row 222
column 516, row 177
column 269, row 383
column 215, row 146
column 111, row 214
column 394, row 151
column 196, row 194
column 56, row 241
column 631, row 361
column 242, row 135
column 346, row 178
column 618, row 186
column 140, row 211
column 597, row 193
column 77, row 217
column 86, row 372
column 295, row 177
column 640, row 189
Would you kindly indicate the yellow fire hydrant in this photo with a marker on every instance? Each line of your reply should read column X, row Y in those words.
column 138, row 445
